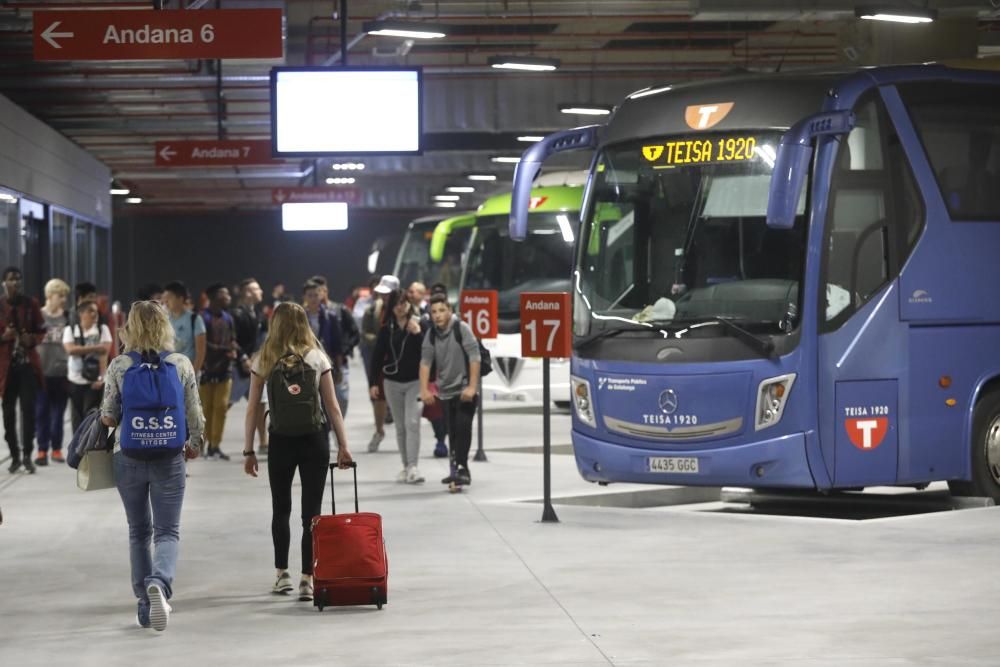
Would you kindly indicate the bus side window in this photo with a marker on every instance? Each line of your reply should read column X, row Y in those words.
column 873, row 219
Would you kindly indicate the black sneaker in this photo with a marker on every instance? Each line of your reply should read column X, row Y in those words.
column 15, row 465
column 221, row 454
column 41, row 460
column 462, row 476
column 449, row 479
column 29, row 465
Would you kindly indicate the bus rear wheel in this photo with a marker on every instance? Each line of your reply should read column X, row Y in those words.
column 985, row 452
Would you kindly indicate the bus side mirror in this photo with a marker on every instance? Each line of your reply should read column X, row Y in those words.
column 578, row 139
column 791, row 164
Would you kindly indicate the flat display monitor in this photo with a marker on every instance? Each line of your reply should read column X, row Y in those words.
column 320, row 111
column 314, row 216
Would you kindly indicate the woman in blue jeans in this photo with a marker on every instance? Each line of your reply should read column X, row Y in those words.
column 152, row 490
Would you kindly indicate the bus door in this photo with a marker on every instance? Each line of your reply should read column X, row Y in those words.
column 862, row 365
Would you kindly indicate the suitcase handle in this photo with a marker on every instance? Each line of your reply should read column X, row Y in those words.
column 333, row 497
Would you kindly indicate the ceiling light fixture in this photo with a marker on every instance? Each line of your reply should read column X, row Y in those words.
column 406, row 29
column 586, row 109
column 460, row 188
column 896, row 14
column 446, row 197
column 523, row 63
column 481, row 177
column 120, row 191
column 133, row 200
column 347, row 166
column 340, row 181
column 445, row 204
column 505, row 159
column 530, row 138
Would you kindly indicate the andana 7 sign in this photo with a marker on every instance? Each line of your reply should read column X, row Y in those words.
column 545, row 324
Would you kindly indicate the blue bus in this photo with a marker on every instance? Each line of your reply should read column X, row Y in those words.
column 789, row 281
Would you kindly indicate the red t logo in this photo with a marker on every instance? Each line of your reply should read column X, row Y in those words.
column 867, row 433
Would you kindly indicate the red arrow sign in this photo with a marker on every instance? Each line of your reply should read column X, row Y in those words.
column 158, row 35
column 213, row 153
column 300, row 195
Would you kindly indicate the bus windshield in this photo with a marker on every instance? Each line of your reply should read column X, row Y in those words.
column 676, row 233
column 541, row 263
column 415, row 262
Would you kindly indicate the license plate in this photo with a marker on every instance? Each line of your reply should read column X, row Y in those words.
column 673, row 464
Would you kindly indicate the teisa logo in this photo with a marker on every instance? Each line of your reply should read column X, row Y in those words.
column 152, row 424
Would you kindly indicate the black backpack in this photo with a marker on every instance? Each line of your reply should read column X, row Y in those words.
column 485, row 360
column 293, row 398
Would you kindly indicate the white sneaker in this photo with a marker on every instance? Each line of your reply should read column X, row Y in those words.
column 159, row 610
column 375, row 441
column 403, row 476
column 283, row 586
column 413, row 476
column 305, row 590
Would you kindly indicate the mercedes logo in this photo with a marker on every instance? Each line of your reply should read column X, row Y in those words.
column 668, row 401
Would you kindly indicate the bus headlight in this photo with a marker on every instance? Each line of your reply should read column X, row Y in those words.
column 771, row 398
column 582, row 401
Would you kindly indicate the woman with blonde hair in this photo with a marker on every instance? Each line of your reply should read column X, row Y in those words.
column 154, row 477
column 50, row 404
column 297, row 373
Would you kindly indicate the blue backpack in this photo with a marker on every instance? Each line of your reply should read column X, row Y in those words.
column 153, row 423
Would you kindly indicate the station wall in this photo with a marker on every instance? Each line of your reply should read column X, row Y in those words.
column 200, row 249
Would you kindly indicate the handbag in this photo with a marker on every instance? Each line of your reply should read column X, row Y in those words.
column 96, row 470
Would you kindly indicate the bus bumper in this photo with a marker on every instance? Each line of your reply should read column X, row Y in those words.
column 780, row 462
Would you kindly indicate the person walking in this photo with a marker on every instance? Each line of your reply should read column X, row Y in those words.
column 340, row 317
column 217, row 377
column 451, row 348
column 151, row 483
column 20, row 366
column 299, row 380
column 88, row 344
column 396, row 361
column 189, row 329
column 50, row 404
column 417, row 294
column 371, row 323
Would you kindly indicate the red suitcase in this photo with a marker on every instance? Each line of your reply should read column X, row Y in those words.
column 350, row 565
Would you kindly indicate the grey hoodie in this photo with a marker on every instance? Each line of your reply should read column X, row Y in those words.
column 441, row 349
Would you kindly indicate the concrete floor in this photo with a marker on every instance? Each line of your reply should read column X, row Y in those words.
column 475, row 579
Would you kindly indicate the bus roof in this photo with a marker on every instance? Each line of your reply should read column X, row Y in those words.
column 758, row 102
column 546, row 199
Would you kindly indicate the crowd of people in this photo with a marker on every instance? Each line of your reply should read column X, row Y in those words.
column 288, row 358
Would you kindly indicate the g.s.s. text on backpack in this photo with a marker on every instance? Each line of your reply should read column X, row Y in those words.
column 293, row 397
column 153, row 420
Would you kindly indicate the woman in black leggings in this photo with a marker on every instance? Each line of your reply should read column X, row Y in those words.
column 299, row 433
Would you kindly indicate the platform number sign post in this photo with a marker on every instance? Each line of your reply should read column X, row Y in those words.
column 545, row 333
column 478, row 309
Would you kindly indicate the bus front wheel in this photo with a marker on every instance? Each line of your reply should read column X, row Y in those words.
column 985, row 452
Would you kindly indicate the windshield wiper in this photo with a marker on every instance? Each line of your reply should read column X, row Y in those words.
column 763, row 346
column 608, row 333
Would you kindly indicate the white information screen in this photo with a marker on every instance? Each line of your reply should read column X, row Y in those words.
column 348, row 111
column 313, row 217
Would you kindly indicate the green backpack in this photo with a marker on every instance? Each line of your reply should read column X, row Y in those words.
column 293, row 398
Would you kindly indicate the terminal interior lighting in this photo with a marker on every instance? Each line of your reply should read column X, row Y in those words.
column 481, row 177
column 460, row 188
column 133, row 200
column 405, row 29
column 586, row 109
column 340, row 181
column 446, row 197
column 530, row 138
column 445, row 204
column 896, row 14
column 505, row 159
column 524, row 63
column 347, row 166
column 120, row 191
column 7, row 198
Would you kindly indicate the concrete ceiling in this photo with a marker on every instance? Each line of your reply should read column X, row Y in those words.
column 608, row 48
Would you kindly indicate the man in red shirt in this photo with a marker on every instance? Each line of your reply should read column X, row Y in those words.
column 20, row 366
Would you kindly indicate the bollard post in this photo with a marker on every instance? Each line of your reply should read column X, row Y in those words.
column 480, row 452
column 548, row 512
